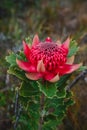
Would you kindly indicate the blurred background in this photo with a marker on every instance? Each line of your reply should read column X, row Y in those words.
column 57, row 19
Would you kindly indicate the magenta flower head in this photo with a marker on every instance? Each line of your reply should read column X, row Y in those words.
column 47, row 60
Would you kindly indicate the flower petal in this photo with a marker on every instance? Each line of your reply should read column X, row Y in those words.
column 54, row 79
column 66, row 69
column 35, row 40
column 66, row 43
column 48, row 76
column 33, row 76
column 26, row 66
column 40, row 66
column 70, row 60
column 26, row 50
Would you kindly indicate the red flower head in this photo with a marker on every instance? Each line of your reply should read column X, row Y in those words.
column 47, row 60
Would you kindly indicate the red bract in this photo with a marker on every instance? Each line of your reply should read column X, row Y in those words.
column 47, row 60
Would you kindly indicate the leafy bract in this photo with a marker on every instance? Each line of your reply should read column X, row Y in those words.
column 49, row 89
column 27, row 89
column 73, row 48
column 11, row 59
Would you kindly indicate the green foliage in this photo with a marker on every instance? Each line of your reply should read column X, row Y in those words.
column 73, row 48
column 62, row 81
column 13, row 69
column 28, row 120
column 11, row 59
column 49, row 89
column 82, row 68
column 28, row 40
column 27, row 89
column 61, row 93
column 17, row 72
column 51, row 123
column 30, row 115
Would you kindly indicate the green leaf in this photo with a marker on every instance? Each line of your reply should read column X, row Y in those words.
column 33, row 106
column 33, row 110
column 21, row 56
column 34, row 113
column 60, row 111
column 73, row 48
column 51, row 122
column 61, row 93
column 17, row 72
column 53, row 103
column 49, row 89
column 69, row 94
column 62, row 82
column 26, row 121
column 69, row 102
column 51, row 125
column 82, row 68
column 56, row 100
column 11, row 59
column 30, row 116
column 28, row 40
column 28, row 90
column 73, row 51
column 24, row 101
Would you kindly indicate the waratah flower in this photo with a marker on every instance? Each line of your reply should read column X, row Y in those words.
column 47, row 60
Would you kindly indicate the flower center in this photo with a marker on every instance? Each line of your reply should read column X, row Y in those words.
column 51, row 54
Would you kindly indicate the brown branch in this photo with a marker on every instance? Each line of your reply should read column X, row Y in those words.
column 80, row 76
column 18, row 108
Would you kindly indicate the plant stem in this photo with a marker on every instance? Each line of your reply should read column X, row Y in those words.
column 41, row 110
